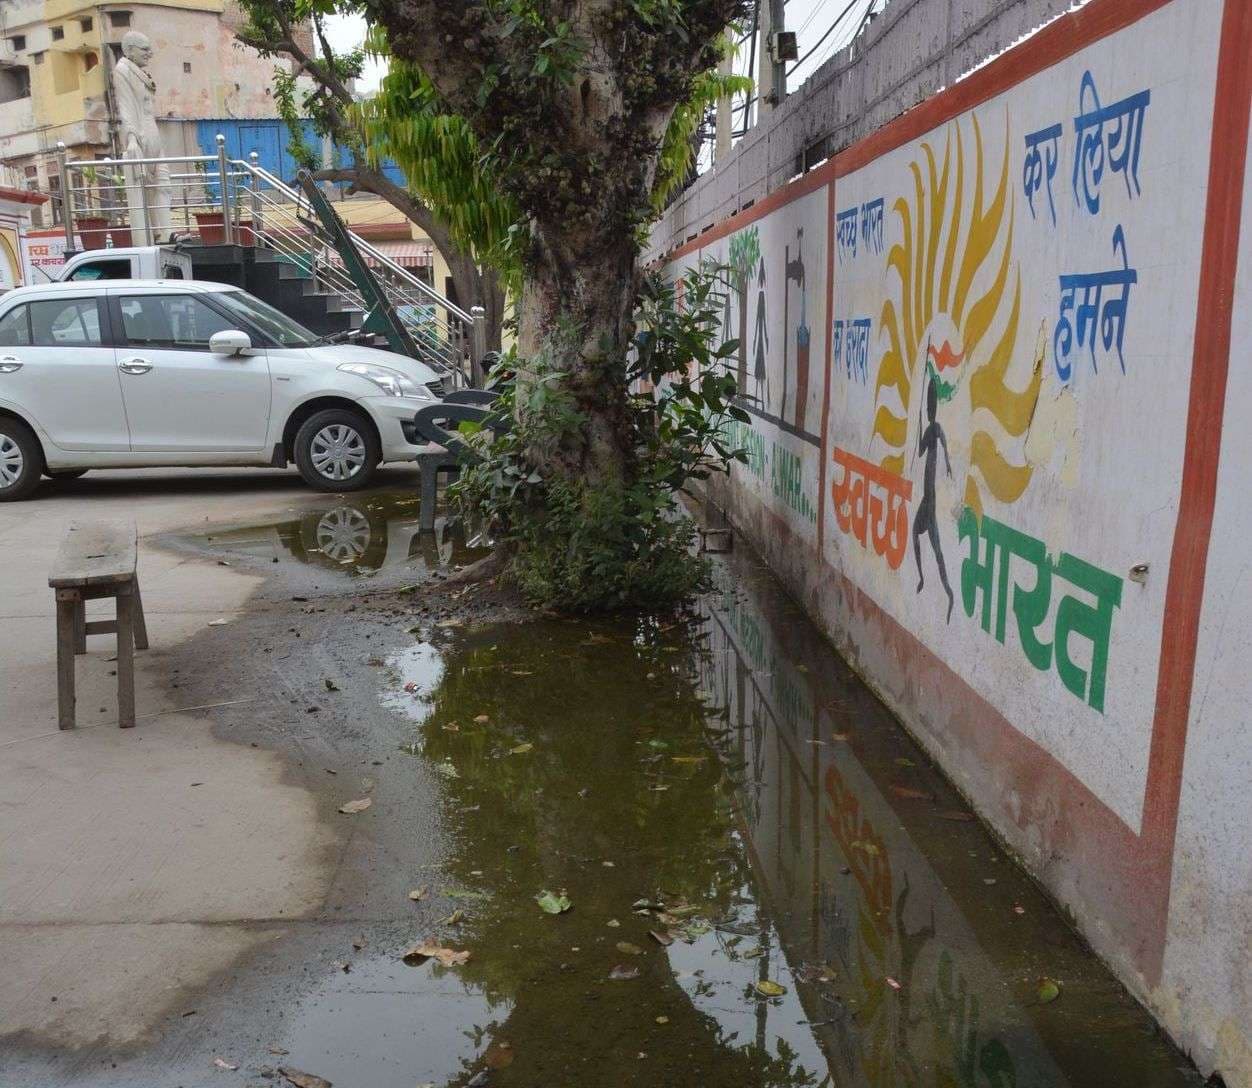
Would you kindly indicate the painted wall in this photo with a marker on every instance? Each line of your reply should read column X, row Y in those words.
column 986, row 355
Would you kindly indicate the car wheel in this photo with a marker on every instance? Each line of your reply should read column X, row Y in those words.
column 64, row 473
column 21, row 460
column 336, row 451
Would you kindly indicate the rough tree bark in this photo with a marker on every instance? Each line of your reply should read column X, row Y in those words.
column 581, row 138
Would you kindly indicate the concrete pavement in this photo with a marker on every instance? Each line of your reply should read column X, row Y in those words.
column 137, row 864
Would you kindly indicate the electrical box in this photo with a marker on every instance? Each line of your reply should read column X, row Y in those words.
column 782, row 46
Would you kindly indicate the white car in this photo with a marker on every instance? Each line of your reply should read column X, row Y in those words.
column 147, row 373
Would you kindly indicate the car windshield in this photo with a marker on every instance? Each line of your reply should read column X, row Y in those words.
column 274, row 323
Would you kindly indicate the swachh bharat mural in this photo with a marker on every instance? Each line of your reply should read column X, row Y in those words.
column 966, row 363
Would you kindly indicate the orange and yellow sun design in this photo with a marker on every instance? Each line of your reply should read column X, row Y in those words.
column 954, row 303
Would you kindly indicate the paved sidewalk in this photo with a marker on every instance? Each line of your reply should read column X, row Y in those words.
column 136, row 865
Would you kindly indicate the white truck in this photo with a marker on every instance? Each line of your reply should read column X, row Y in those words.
column 129, row 263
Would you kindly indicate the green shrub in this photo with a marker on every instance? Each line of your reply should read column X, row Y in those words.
column 587, row 548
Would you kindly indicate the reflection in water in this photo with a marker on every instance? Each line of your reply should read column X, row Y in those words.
column 728, row 786
column 360, row 536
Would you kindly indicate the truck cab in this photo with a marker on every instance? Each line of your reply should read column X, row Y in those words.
column 129, row 263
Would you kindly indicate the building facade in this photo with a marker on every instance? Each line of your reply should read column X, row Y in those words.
column 56, row 61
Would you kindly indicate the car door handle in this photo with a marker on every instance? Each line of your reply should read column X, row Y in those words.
column 134, row 366
column 9, row 363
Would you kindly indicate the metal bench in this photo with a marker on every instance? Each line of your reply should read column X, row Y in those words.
column 97, row 560
column 445, row 450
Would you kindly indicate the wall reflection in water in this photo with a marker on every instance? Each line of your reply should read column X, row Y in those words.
column 916, row 947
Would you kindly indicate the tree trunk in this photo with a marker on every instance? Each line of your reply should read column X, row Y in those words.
column 577, row 303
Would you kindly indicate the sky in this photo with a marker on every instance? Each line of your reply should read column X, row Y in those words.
column 812, row 20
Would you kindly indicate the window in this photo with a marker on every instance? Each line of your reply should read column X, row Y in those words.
column 119, row 18
column 187, row 67
column 273, row 323
column 118, row 268
column 65, row 322
column 58, row 33
column 86, row 25
column 170, row 321
column 172, row 272
column 90, row 60
column 18, row 41
column 37, row 58
column 15, row 328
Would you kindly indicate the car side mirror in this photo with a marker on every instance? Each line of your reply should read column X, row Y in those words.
column 229, row 342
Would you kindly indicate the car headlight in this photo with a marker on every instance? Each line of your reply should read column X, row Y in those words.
column 391, row 382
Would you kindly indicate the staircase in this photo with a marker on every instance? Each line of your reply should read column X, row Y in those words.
column 290, row 249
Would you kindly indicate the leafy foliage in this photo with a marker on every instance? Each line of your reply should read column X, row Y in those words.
column 592, row 548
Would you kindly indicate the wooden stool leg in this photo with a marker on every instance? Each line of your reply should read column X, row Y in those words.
column 80, row 627
column 430, row 492
column 141, row 626
column 125, row 659
column 68, row 605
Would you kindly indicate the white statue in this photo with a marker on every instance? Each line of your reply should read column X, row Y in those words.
column 135, row 92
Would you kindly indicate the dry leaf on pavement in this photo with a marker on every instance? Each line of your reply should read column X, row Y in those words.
column 426, row 950
column 355, row 806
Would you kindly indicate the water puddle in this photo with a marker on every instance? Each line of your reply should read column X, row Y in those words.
column 357, row 537
column 769, row 885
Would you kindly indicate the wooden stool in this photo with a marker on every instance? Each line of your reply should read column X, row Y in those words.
column 97, row 560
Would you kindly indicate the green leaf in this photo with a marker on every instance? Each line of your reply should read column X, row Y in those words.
column 1049, row 990
column 768, row 988
column 550, row 903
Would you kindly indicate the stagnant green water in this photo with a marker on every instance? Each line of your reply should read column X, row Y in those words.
column 727, row 783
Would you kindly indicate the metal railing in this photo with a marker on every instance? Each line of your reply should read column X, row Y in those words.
column 110, row 202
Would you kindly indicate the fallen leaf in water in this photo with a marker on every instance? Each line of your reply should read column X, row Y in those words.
column 449, row 623
column 956, row 814
column 480, row 718
column 1019, row 909
column 662, row 1019
column 499, row 1055
column 303, row 1080
column 908, row 791
column 454, row 919
column 522, row 672
column 768, row 988
column 359, row 942
column 613, row 923
column 451, row 727
column 893, row 983
column 688, row 759
column 521, row 749
column 622, row 973
column 658, row 789
column 902, row 762
column 752, row 953
column 355, row 806
column 840, row 736
column 867, row 847
column 222, row 1064
column 629, row 949
column 464, row 893
column 418, row 894
column 663, row 939
column 550, row 903
column 1049, row 990
column 447, row 770
column 277, row 1051
column 411, row 686
column 330, row 685
column 426, row 950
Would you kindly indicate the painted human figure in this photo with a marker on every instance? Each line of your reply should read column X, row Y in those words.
column 135, row 93
column 925, row 521
column 760, row 340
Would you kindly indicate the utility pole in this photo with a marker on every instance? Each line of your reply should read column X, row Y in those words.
column 725, row 118
column 776, row 48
